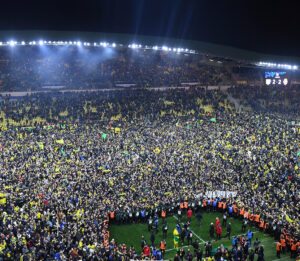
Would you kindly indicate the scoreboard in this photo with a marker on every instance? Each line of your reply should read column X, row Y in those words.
column 276, row 78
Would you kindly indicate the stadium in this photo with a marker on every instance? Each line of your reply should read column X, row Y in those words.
column 132, row 147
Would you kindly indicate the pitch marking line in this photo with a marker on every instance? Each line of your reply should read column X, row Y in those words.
column 192, row 231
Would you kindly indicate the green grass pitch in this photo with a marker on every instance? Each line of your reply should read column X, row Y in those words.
column 130, row 234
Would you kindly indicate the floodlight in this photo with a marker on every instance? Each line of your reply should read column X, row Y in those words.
column 113, row 45
column 295, row 67
column 104, row 44
column 154, row 47
column 79, row 43
column 41, row 42
column 165, row 48
column 23, row 43
column 1, row 43
column 34, row 42
column 12, row 43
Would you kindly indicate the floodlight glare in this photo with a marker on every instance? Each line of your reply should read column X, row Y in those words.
column 113, row 45
column 23, row 43
column 41, row 42
column 12, row 43
column 79, row 43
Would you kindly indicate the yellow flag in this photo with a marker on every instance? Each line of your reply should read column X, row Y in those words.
column 288, row 219
column 2, row 201
column 61, row 141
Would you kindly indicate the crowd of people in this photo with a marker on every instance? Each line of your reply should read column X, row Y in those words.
column 69, row 160
column 36, row 67
column 270, row 99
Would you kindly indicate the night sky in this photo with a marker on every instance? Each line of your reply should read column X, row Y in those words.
column 264, row 26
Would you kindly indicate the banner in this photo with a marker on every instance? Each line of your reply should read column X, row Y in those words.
column 220, row 194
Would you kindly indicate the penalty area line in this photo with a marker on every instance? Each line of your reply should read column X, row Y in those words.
column 192, row 231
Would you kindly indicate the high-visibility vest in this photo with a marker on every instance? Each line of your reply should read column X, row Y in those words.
column 204, row 203
column 112, row 215
column 278, row 246
column 242, row 211
column 257, row 217
column 181, row 205
column 185, row 204
column 220, row 204
column 261, row 224
column 294, row 247
column 246, row 214
column 162, row 245
column 282, row 242
column 163, row 214
column 224, row 205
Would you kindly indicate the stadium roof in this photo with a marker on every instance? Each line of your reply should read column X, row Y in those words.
column 126, row 39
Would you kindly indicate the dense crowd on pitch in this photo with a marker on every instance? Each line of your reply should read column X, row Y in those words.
column 60, row 177
column 32, row 67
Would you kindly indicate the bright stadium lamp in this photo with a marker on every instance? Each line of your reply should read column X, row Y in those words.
column 1, row 43
column 12, row 43
column 295, row 67
column 113, row 45
column 41, row 42
column 23, row 43
column 34, row 42
column 79, row 43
